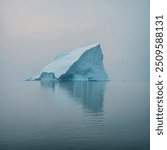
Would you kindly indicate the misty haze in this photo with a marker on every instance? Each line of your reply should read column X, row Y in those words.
column 74, row 115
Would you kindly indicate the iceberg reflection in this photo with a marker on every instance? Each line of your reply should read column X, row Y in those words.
column 88, row 93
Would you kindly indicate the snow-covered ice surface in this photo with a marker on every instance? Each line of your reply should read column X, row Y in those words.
column 84, row 63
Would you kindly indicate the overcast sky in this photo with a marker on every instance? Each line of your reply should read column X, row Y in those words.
column 32, row 32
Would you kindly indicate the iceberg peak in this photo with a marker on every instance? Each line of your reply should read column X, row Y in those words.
column 84, row 63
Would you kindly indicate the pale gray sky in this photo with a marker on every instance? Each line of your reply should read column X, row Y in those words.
column 32, row 32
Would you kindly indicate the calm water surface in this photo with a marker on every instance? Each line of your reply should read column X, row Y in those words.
column 74, row 116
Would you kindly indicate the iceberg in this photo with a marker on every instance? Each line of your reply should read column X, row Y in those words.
column 84, row 63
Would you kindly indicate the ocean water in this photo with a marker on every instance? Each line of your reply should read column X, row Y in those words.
column 74, row 116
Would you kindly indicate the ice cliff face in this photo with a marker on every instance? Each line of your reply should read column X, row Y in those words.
column 80, row 64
